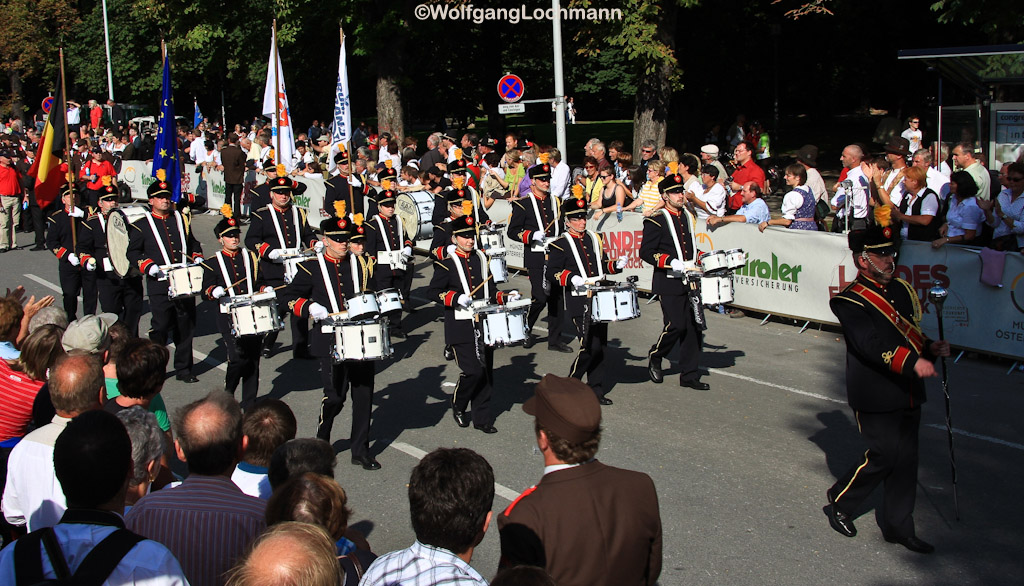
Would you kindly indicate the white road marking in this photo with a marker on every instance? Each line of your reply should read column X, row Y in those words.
column 500, row 490
column 986, row 438
column 774, row 386
column 45, row 283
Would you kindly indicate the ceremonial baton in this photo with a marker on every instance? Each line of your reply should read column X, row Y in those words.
column 937, row 295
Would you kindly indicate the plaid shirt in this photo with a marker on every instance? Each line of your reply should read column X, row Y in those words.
column 421, row 565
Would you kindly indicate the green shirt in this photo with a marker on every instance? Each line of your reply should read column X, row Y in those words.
column 156, row 406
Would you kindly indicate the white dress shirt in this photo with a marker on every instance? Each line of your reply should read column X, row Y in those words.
column 560, row 180
column 32, row 494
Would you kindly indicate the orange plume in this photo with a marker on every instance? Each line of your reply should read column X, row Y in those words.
column 339, row 208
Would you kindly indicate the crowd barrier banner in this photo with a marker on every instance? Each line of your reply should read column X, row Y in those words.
column 790, row 273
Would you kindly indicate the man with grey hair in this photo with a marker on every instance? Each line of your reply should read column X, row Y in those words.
column 648, row 153
column 560, row 174
column 599, row 152
column 709, row 156
column 147, row 447
column 48, row 315
column 936, row 181
column 433, row 156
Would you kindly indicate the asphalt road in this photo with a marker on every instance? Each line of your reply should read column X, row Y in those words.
column 741, row 470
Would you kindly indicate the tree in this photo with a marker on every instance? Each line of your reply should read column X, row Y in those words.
column 28, row 41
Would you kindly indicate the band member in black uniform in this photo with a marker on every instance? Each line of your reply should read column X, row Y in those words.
column 535, row 218
column 458, row 202
column 458, row 171
column 667, row 243
column 120, row 296
column 887, row 360
column 235, row 270
column 272, row 229
column 343, row 187
column 67, row 237
column 386, row 235
column 576, row 259
column 261, row 193
column 458, row 280
column 319, row 289
column 163, row 237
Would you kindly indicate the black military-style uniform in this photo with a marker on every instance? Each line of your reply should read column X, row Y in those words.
column 337, row 189
column 309, row 287
column 260, row 197
column 593, row 337
column 262, row 238
column 73, row 279
column 473, row 357
column 442, row 235
column 243, row 351
column 169, row 316
column 385, row 277
column 658, row 249
column 883, row 343
column 118, row 295
column 521, row 227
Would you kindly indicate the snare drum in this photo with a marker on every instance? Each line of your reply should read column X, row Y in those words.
column 499, row 269
column 492, row 241
column 714, row 261
column 716, row 289
column 614, row 303
column 183, row 280
column 360, row 340
column 504, row 325
column 735, row 258
column 362, row 305
column 543, row 245
column 389, row 300
column 416, row 210
column 254, row 314
column 394, row 259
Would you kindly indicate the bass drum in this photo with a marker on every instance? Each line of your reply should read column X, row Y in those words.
column 118, row 224
column 416, row 210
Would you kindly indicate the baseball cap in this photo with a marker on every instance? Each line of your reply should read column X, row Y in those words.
column 89, row 334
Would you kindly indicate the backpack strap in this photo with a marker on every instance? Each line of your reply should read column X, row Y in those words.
column 101, row 561
column 28, row 558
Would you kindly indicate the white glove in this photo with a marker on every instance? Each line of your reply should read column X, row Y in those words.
column 677, row 265
column 514, row 295
column 577, row 281
column 318, row 246
column 90, row 265
column 198, row 258
column 73, row 259
column 318, row 312
column 464, row 300
column 274, row 254
column 76, row 212
column 154, row 271
column 538, row 236
column 267, row 289
column 450, row 250
column 620, row 264
column 218, row 292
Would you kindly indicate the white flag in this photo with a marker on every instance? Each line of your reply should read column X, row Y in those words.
column 342, row 131
column 275, row 105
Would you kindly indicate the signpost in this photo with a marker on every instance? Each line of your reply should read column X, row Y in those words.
column 511, row 108
column 47, row 104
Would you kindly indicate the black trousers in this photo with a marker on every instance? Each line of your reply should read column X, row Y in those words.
column 38, row 215
column 891, row 458
column 75, row 280
column 677, row 316
column 233, row 197
column 122, row 297
column 299, row 325
column 540, row 298
column 475, row 381
column 590, row 359
column 243, row 362
column 176, row 317
column 336, row 379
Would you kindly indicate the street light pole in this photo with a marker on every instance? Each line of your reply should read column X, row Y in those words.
column 556, row 25
column 106, row 38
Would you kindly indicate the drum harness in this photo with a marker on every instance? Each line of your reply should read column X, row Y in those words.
column 583, row 271
column 353, row 263
column 540, row 226
column 160, row 241
column 384, row 234
column 224, row 270
column 693, row 294
column 277, row 226
column 477, row 330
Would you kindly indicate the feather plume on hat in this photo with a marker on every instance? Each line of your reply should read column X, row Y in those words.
column 458, row 181
column 225, row 210
column 883, row 216
column 458, row 154
column 543, row 158
column 673, row 168
column 386, row 184
column 577, row 191
column 161, row 175
column 281, row 170
column 106, row 180
column 388, row 163
column 357, row 219
column 339, row 208
column 467, row 208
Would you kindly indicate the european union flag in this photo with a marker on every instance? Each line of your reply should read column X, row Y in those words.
column 166, row 154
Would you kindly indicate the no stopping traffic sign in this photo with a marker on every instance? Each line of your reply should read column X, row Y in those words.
column 511, row 88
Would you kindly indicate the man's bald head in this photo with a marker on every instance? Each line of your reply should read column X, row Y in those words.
column 210, row 434
column 76, row 382
column 852, row 156
column 289, row 554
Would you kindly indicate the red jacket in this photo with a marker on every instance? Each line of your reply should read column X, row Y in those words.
column 10, row 181
column 99, row 170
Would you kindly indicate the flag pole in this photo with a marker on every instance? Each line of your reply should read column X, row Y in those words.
column 348, row 145
column 277, row 101
column 67, row 151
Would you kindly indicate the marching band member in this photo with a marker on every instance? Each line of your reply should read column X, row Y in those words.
column 458, row 203
column 65, row 237
column 160, row 238
column 344, row 187
column 261, row 193
column 458, row 170
column 319, row 290
column 118, row 295
column 576, row 259
column 534, row 218
column 235, row 270
column 667, row 243
column 272, row 229
column 458, row 280
column 385, row 239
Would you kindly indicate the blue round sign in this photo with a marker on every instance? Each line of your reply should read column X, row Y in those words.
column 511, row 88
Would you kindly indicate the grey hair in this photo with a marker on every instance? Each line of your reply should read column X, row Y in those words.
column 649, row 144
column 925, row 154
column 48, row 315
column 147, row 440
column 598, row 145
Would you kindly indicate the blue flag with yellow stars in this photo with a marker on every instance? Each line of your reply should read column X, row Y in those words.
column 166, row 153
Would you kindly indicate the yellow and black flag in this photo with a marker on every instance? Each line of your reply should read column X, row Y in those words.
column 49, row 168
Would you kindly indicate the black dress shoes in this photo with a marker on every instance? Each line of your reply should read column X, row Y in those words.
column 460, row 418
column 530, row 341
column 560, row 347
column 839, row 521
column 604, row 401
column 654, row 370
column 695, row 384
column 38, row 247
column 449, row 353
column 400, row 334
column 187, row 378
column 912, row 543
column 367, row 462
column 302, row 354
column 267, row 352
column 486, row 428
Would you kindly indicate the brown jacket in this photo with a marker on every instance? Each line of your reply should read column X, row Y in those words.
column 233, row 159
column 591, row 525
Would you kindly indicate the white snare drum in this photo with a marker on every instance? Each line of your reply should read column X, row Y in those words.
column 735, row 258
column 183, row 280
column 492, row 241
column 362, row 305
column 394, row 259
column 389, row 300
column 416, row 210
column 689, row 269
column 504, row 325
column 360, row 340
column 499, row 269
column 614, row 303
column 714, row 261
column 254, row 314
column 715, row 290
column 290, row 258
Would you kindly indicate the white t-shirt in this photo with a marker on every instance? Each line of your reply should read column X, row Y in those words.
column 914, row 136
column 714, row 197
column 896, row 190
column 929, row 207
column 198, row 150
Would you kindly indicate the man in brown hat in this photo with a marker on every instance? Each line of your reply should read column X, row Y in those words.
column 585, row 523
column 890, row 187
